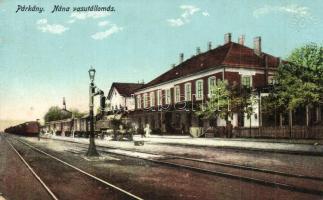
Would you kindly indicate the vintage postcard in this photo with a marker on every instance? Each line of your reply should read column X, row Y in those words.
column 138, row 99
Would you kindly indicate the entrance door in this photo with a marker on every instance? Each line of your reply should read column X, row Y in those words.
column 168, row 122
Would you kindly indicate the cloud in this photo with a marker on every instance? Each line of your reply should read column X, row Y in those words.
column 103, row 23
column 299, row 16
column 176, row 22
column 43, row 25
column 292, row 9
column 187, row 12
column 89, row 15
column 205, row 13
column 113, row 28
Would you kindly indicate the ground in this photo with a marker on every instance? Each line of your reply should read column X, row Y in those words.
column 154, row 181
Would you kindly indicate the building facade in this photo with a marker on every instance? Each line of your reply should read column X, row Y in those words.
column 121, row 97
column 168, row 102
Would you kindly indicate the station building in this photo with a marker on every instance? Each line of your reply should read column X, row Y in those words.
column 167, row 103
column 120, row 96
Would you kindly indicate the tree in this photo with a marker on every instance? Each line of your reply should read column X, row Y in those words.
column 77, row 114
column 55, row 113
column 218, row 105
column 310, row 58
column 295, row 88
column 299, row 83
column 226, row 100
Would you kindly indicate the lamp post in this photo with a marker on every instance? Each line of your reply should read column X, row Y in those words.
column 92, row 148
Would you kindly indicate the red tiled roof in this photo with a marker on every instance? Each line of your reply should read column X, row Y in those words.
column 231, row 54
column 125, row 89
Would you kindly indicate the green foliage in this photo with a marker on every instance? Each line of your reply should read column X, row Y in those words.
column 226, row 100
column 76, row 113
column 309, row 56
column 218, row 106
column 55, row 113
column 300, row 81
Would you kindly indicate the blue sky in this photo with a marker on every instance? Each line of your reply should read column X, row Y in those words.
column 46, row 56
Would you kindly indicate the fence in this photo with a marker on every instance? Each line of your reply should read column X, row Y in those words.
column 298, row 132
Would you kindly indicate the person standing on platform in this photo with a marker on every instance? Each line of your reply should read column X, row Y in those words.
column 147, row 130
column 229, row 129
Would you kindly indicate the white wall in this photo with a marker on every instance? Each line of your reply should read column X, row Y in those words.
column 117, row 100
column 130, row 102
column 234, row 120
column 254, row 116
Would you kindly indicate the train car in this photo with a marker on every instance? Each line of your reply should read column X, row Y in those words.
column 81, row 126
column 25, row 129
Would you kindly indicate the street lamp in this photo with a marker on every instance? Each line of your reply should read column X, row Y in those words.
column 92, row 74
column 92, row 148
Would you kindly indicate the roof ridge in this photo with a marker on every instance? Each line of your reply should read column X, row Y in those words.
column 227, row 53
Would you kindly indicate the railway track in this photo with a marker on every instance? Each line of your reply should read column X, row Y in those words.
column 271, row 178
column 53, row 196
column 118, row 189
column 242, row 173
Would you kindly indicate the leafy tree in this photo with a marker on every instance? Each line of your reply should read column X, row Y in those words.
column 56, row 113
column 295, row 88
column 76, row 113
column 310, row 58
column 299, row 81
column 226, row 100
column 218, row 105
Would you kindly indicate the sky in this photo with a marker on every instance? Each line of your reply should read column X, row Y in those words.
column 45, row 56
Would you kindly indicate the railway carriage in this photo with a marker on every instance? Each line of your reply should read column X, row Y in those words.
column 81, row 126
column 25, row 129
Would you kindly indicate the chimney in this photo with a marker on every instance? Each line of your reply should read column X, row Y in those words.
column 227, row 38
column 209, row 45
column 241, row 39
column 257, row 45
column 198, row 50
column 181, row 57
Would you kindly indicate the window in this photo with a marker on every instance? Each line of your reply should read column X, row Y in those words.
column 188, row 92
column 145, row 100
column 159, row 97
column 199, row 89
column 138, row 101
column 152, row 99
column 211, row 84
column 246, row 81
column 177, row 94
column 168, row 97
